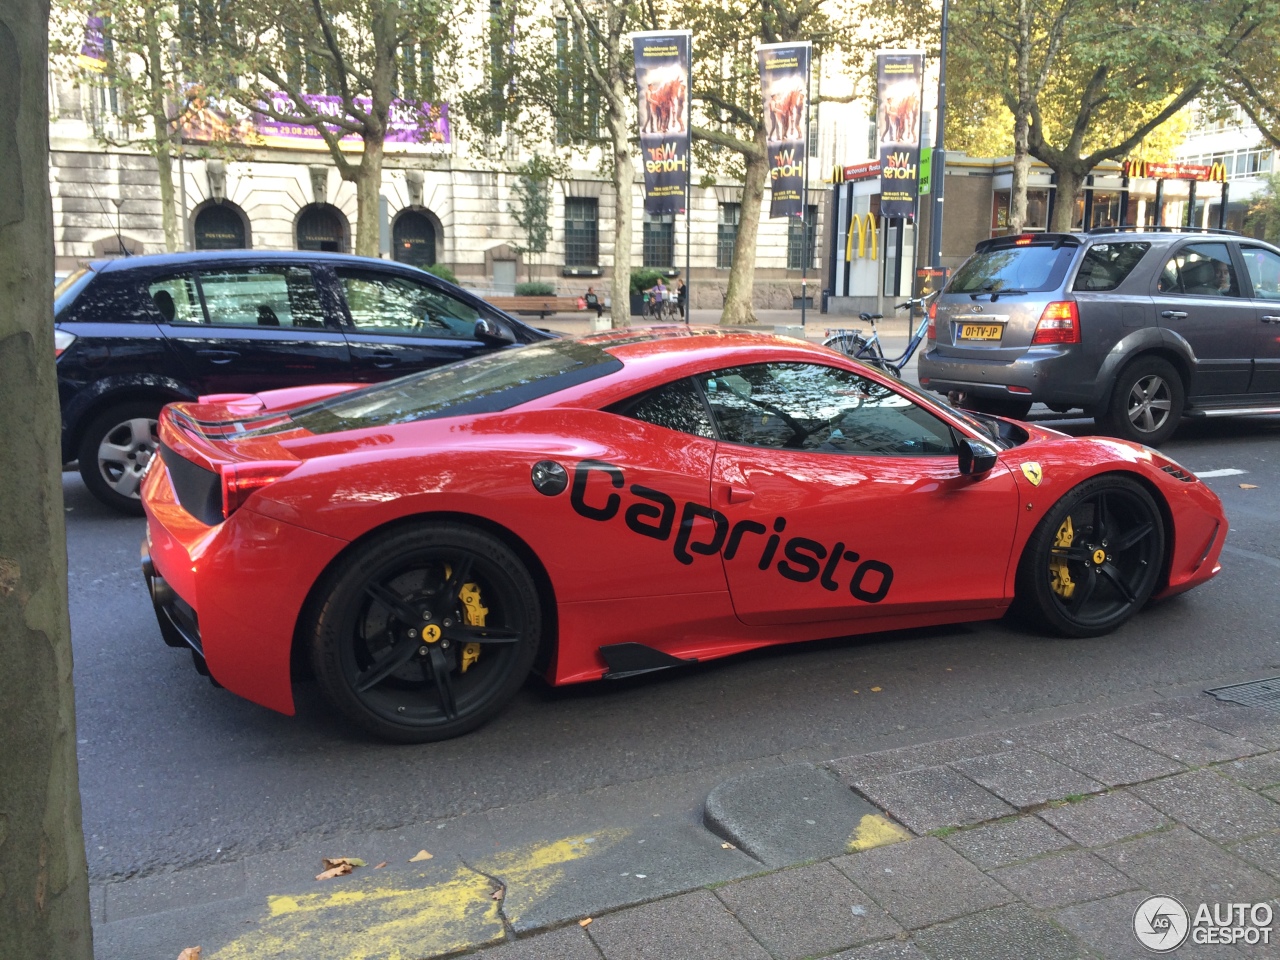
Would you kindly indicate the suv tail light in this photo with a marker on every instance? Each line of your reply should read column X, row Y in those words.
column 931, row 332
column 1060, row 323
column 61, row 341
column 240, row 480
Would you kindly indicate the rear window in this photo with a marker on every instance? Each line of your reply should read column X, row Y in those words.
column 484, row 384
column 66, row 291
column 1106, row 265
column 1030, row 269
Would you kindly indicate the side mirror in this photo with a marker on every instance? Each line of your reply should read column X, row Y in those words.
column 493, row 333
column 975, row 458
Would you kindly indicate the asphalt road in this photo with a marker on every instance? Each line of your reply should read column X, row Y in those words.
column 174, row 772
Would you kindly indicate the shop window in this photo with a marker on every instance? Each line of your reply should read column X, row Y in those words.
column 220, row 226
column 322, row 227
column 413, row 239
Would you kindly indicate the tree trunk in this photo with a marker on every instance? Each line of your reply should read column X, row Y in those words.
column 368, row 180
column 1021, row 170
column 44, row 890
column 160, row 135
column 624, row 176
column 1070, row 184
column 742, row 272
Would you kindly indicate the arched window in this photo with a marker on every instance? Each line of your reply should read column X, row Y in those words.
column 321, row 226
column 220, row 226
column 413, row 239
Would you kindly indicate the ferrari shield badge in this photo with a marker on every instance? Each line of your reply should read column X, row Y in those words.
column 1033, row 473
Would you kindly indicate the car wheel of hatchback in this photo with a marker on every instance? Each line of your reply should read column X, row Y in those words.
column 1146, row 404
column 1094, row 559
column 114, row 452
column 426, row 632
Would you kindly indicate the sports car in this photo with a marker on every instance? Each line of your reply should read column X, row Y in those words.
column 625, row 502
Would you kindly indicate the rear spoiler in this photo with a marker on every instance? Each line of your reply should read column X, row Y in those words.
column 1053, row 240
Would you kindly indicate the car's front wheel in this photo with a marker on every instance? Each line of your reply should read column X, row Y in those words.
column 1147, row 401
column 114, row 451
column 1094, row 560
column 425, row 633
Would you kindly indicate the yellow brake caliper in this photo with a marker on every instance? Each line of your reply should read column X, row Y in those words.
column 1061, row 583
column 474, row 614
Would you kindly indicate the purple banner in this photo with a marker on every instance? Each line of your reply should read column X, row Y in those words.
column 93, row 52
column 409, row 122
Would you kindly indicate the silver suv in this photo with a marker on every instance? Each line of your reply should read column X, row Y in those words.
column 1138, row 327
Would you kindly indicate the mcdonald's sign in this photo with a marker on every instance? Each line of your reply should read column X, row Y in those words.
column 1215, row 171
column 864, row 224
column 857, row 171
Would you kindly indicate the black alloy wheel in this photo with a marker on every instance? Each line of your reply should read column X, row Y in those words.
column 426, row 632
column 1147, row 402
column 1094, row 559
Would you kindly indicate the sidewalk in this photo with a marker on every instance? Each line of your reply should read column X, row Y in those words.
column 1033, row 843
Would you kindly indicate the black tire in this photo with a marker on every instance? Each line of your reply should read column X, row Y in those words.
column 114, row 451
column 1094, row 560
column 1146, row 402
column 1013, row 409
column 850, row 344
column 384, row 673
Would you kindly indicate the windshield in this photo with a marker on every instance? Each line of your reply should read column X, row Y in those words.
column 1030, row 269
column 484, row 384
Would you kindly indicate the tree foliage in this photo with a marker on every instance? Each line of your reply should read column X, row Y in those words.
column 532, row 207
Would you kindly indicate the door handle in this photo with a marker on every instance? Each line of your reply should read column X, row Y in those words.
column 383, row 358
column 1174, row 314
column 218, row 356
column 735, row 494
column 1271, row 319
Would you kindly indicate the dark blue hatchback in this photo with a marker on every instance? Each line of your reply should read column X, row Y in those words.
column 136, row 333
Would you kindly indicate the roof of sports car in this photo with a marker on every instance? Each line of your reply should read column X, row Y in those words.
column 679, row 337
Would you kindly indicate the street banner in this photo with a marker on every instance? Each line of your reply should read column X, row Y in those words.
column 93, row 52
column 899, row 80
column 784, row 82
column 662, row 81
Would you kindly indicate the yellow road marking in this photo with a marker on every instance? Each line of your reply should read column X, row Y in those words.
column 876, row 831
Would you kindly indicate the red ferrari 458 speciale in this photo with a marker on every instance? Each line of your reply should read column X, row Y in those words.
column 626, row 502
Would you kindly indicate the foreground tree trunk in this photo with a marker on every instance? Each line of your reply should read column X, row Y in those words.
column 44, row 892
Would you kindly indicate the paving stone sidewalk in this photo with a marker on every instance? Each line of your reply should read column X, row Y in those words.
column 1038, row 843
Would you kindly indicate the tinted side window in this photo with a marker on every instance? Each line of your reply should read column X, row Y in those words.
column 1106, row 265
column 676, row 406
column 388, row 303
column 176, row 299
column 1264, row 271
column 803, row 406
column 263, row 297
column 1200, row 269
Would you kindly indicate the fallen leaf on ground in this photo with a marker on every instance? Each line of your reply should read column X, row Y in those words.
column 727, row 846
column 875, row 689
column 584, row 922
column 498, row 894
column 338, row 866
column 191, row 953
column 420, row 856
column 379, row 866
column 1248, row 486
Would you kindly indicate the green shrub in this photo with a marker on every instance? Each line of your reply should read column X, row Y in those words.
column 535, row 288
column 643, row 278
column 443, row 272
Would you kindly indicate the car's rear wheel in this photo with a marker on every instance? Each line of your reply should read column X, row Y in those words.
column 1094, row 559
column 114, row 451
column 426, row 632
column 1147, row 401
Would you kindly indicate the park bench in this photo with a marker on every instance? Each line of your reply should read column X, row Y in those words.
column 542, row 306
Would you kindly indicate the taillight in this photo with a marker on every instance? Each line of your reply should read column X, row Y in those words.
column 1024, row 240
column 1060, row 323
column 241, row 480
column 931, row 332
column 61, row 341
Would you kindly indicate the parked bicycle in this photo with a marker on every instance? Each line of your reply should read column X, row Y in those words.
column 868, row 348
column 661, row 307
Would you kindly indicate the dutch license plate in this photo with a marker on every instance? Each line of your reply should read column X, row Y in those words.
column 981, row 331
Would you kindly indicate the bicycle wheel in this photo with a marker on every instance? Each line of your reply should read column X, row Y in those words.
column 847, row 342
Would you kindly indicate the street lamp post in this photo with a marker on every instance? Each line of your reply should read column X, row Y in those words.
column 939, row 172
